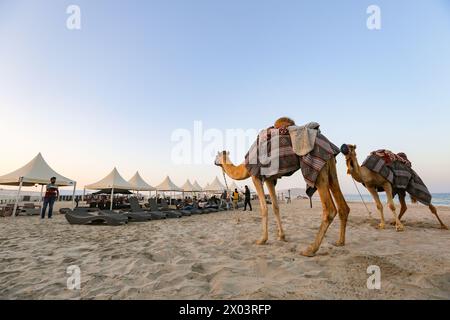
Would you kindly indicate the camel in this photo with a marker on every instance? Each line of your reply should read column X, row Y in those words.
column 327, row 184
column 373, row 182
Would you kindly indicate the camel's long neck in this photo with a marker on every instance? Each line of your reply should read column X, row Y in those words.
column 235, row 172
column 356, row 170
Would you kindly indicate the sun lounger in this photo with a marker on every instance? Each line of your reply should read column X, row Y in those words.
column 211, row 209
column 135, row 207
column 7, row 210
column 169, row 213
column 201, row 210
column 29, row 209
column 131, row 216
column 82, row 217
column 192, row 210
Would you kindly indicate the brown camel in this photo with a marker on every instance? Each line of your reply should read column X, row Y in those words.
column 373, row 182
column 327, row 185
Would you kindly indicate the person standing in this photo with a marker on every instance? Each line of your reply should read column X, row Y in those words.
column 223, row 199
column 247, row 199
column 235, row 197
column 51, row 194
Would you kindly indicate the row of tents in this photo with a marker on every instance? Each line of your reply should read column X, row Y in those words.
column 38, row 172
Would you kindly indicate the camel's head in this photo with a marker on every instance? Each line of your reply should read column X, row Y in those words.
column 284, row 122
column 221, row 158
column 348, row 150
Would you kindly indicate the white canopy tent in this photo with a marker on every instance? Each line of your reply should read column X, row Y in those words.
column 139, row 184
column 37, row 171
column 233, row 186
column 167, row 185
column 216, row 186
column 197, row 187
column 112, row 181
column 188, row 186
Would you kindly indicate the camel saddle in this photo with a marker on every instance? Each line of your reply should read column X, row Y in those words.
column 397, row 169
column 272, row 156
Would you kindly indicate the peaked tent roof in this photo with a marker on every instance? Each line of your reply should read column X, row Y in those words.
column 206, row 188
column 112, row 180
column 139, row 184
column 216, row 186
column 168, row 185
column 188, row 186
column 37, row 171
column 233, row 186
column 196, row 186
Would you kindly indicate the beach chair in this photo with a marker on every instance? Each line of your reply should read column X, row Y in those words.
column 29, row 209
column 201, row 210
column 7, row 210
column 131, row 216
column 169, row 213
column 82, row 217
column 135, row 207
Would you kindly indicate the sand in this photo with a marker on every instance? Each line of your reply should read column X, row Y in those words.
column 213, row 257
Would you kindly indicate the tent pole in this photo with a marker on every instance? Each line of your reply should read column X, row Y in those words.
column 40, row 199
column 73, row 195
column 17, row 197
column 112, row 196
column 84, row 192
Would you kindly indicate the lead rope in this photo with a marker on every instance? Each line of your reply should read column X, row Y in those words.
column 228, row 190
column 354, row 182
column 225, row 179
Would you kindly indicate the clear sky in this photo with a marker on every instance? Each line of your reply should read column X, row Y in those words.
column 112, row 93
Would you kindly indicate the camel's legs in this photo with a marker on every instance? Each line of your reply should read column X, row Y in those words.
column 388, row 189
column 375, row 197
column 329, row 212
column 403, row 206
column 276, row 209
column 264, row 211
column 343, row 208
column 434, row 211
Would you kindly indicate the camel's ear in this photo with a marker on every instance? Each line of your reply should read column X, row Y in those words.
column 228, row 153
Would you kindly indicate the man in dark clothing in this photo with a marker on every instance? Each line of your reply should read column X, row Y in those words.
column 247, row 199
column 51, row 194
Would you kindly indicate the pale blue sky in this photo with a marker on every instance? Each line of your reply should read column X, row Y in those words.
column 112, row 93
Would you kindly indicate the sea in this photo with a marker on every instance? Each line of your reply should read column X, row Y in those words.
column 439, row 199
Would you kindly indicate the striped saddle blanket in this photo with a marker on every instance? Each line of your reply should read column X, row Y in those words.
column 400, row 174
column 272, row 156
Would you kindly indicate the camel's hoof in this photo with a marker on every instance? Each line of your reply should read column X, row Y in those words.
column 339, row 243
column 399, row 227
column 261, row 242
column 308, row 253
column 381, row 226
column 282, row 238
column 393, row 223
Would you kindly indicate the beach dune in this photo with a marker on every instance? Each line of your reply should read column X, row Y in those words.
column 214, row 257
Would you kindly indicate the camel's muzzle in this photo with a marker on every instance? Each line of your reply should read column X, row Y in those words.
column 345, row 149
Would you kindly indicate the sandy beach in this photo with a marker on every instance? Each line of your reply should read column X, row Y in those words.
column 213, row 257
